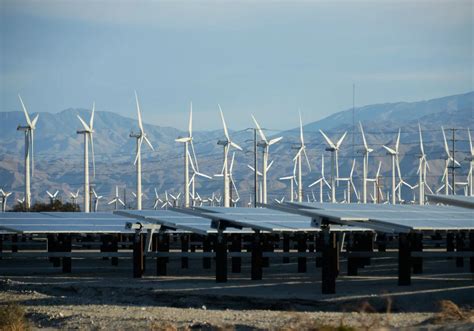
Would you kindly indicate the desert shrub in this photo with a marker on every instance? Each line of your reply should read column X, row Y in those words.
column 12, row 318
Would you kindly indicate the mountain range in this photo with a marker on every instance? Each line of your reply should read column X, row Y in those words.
column 59, row 150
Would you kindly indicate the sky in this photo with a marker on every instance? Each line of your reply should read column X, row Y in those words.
column 267, row 58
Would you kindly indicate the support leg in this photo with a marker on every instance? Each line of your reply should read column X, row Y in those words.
column 163, row 247
column 66, row 246
column 417, row 244
column 184, row 249
column 302, row 249
column 329, row 263
column 460, row 248
column 256, row 269
column 221, row 258
column 404, row 259
column 236, row 247
column 206, row 247
column 138, row 256
column 286, row 247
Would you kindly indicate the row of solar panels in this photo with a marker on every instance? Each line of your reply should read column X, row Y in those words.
column 285, row 218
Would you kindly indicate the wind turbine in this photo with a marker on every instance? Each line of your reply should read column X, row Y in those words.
column 186, row 141
column 422, row 170
column 394, row 156
column 231, row 177
column 140, row 136
column 116, row 200
column 334, row 149
column 265, row 144
column 74, row 197
column 321, row 181
column 175, row 199
column 87, row 131
column 350, row 184
column 449, row 158
column 196, row 173
column 225, row 170
column 29, row 129
column 96, row 200
column 4, row 196
column 298, row 157
column 52, row 197
column 374, row 180
column 166, row 202
column 366, row 153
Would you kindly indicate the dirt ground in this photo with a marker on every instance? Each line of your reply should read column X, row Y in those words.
column 99, row 296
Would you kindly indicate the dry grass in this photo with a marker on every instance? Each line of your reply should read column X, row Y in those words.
column 450, row 312
column 302, row 322
column 12, row 318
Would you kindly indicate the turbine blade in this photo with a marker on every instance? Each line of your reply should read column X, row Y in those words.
column 190, row 127
column 194, row 155
column 397, row 144
column 148, row 142
column 25, row 111
column 306, row 157
column 236, row 146
column 363, row 136
column 388, row 149
column 226, row 133
column 329, row 141
column 32, row 139
column 270, row 165
column 91, row 123
column 301, row 129
column 138, row 150
column 259, row 129
column 274, row 141
column 93, row 154
column 86, row 127
column 139, row 114
column 339, row 142
column 446, row 148
column 33, row 122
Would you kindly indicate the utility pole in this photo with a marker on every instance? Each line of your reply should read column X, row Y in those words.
column 453, row 165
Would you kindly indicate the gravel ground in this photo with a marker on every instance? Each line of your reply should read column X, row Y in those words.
column 98, row 296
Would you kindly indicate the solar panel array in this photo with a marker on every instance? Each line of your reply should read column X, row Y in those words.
column 395, row 218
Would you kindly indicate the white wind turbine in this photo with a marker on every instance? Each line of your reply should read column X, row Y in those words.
column 234, row 187
column 140, row 136
column 196, row 173
column 423, row 167
column 74, row 197
column 449, row 159
column 87, row 131
column 4, row 196
column 175, row 202
column 167, row 201
column 366, row 153
column 350, row 184
column 394, row 156
column 186, row 141
column 29, row 129
column 116, row 200
column 225, row 170
column 96, row 200
column 375, row 182
column 298, row 157
column 334, row 149
column 265, row 144
column 52, row 197
column 321, row 181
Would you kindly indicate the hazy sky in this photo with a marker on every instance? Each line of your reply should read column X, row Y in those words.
column 269, row 58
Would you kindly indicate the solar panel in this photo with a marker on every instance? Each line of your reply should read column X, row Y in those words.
column 453, row 200
column 260, row 219
column 411, row 217
column 63, row 222
column 176, row 220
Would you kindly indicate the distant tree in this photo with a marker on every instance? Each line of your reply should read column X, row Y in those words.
column 56, row 206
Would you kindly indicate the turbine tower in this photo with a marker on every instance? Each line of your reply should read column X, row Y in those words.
column 88, row 135
column 422, row 169
column 334, row 149
column 29, row 129
column 366, row 153
column 225, row 169
column 394, row 156
column 298, row 157
column 186, row 141
column 140, row 136
column 265, row 144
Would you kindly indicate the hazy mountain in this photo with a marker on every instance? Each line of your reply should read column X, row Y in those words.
column 59, row 150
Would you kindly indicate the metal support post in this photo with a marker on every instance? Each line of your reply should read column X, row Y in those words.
column 221, row 257
column 404, row 259
column 236, row 246
column 302, row 246
column 256, row 268
column 138, row 256
column 329, row 263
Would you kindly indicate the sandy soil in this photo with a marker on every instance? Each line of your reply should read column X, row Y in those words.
column 99, row 296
